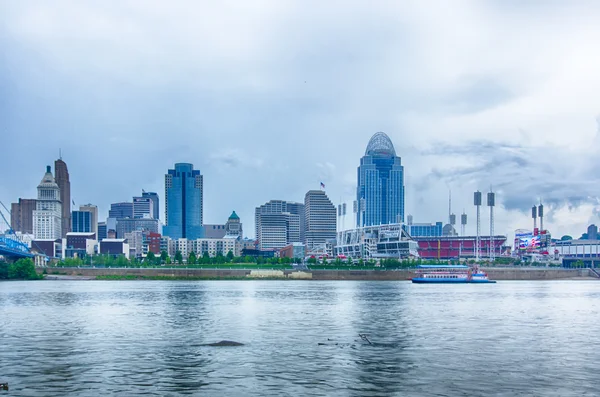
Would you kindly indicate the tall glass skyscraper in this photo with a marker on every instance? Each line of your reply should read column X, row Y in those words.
column 183, row 202
column 380, row 188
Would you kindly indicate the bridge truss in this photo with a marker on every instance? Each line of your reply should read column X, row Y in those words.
column 11, row 245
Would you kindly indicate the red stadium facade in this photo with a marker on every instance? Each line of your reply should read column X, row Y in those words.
column 455, row 247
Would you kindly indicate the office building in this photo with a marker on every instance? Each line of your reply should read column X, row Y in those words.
column 21, row 215
column 113, row 246
column 279, row 223
column 128, row 225
column 93, row 210
column 211, row 246
column 102, row 231
column 81, row 222
column 183, row 202
column 155, row 203
column 143, row 207
column 233, row 227
column 135, row 240
column 47, row 217
column 320, row 219
column 121, row 210
column 380, row 188
column 213, row 231
column 79, row 245
column 151, row 243
column 62, row 180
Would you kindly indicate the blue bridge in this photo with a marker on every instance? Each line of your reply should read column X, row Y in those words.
column 11, row 246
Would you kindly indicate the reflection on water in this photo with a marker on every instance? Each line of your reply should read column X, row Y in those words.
column 90, row 338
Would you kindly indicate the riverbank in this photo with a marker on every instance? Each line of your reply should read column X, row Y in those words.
column 291, row 274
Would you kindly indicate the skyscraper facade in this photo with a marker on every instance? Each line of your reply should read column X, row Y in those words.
column 47, row 217
column 121, row 210
column 102, row 231
column 93, row 210
column 183, row 202
column 279, row 223
column 380, row 183
column 155, row 203
column 81, row 222
column 21, row 215
column 233, row 227
column 62, row 180
column 320, row 219
column 143, row 207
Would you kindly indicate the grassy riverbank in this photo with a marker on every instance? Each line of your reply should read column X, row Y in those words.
column 189, row 278
column 273, row 273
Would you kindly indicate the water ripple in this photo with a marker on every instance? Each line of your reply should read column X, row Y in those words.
column 300, row 338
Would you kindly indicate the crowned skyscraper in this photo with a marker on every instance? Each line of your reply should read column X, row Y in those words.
column 183, row 202
column 380, row 184
column 47, row 215
column 62, row 180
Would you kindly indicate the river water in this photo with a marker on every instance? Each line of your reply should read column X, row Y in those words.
column 92, row 338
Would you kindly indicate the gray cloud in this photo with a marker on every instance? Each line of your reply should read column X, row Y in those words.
column 523, row 175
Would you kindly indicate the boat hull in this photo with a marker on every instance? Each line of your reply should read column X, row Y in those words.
column 417, row 280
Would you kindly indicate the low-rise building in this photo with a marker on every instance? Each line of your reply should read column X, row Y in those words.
column 213, row 246
column 294, row 250
column 78, row 245
column 52, row 248
column 114, row 246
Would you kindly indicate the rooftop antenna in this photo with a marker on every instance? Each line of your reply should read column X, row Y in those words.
column 449, row 204
column 451, row 216
column 59, row 153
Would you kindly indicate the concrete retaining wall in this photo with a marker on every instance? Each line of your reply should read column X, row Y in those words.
column 382, row 275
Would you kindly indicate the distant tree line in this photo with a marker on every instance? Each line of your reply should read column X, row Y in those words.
column 153, row 260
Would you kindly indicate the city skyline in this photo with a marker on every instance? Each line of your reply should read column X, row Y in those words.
column 485, row 118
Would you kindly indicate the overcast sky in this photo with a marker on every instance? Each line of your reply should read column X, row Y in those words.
column 269, row 98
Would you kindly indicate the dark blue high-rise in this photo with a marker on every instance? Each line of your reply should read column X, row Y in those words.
column 380, row 188
column 183, row 202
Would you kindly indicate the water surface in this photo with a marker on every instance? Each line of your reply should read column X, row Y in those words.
column 90, row 338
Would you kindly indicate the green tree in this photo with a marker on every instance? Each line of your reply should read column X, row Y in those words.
column 192, row 258
column 23, row 269
column 151, row 258
column 206, row 258
column 578, row 264
column 220, row 259
column 121, row 261
column 312, row 260
column 3, row 270
column 229, row 256
column 178, row 257
column 163, row 256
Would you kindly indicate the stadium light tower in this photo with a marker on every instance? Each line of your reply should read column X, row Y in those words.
column 491, row 202
column 477, row 202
